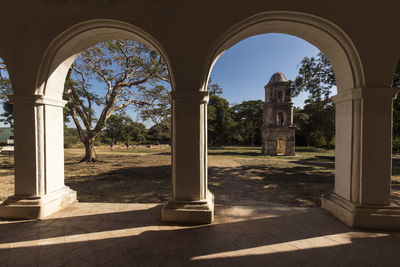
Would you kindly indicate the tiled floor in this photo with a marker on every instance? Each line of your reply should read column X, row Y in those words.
column 99, row 234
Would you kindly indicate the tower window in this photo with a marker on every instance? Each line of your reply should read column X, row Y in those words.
column 280, row 119
column 280, row 96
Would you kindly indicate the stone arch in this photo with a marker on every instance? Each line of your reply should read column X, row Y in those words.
column 63, row 50
column 337, row 46
column 281, row 145
column 40, row 124
column 323, row 34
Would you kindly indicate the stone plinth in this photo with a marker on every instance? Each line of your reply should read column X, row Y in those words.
column 362, row 216
column 197, row 212
column 31, row 207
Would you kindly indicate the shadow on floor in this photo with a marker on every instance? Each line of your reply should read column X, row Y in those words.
column 125, row 185
column 291, row 186
column 282, row 237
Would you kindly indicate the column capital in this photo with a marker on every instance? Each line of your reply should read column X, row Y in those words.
column 36, row 100
column 190, row 96
column 366, row 93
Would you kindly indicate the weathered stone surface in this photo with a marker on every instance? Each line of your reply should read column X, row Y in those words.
column 98, row 234
column 278, row 130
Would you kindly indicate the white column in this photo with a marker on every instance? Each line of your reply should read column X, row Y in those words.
column 363, row 159
column 39, row 159
column 191, row 201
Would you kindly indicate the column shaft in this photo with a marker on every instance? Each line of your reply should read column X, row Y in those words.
column 364, row 159
column 39, row 159
column 189, row 147
column 191, row 201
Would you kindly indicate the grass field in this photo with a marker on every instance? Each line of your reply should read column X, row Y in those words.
column 237, row 175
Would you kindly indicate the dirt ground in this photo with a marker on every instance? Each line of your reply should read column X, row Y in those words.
column 239, row 175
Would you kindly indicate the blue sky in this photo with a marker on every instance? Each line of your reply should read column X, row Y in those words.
column 244, row 69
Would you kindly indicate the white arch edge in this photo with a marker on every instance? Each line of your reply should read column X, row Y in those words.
column 49, row 63
column 243, row 30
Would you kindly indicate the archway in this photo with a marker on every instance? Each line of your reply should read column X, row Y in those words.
column 40, row 179
column 281, row 146
column 67, row 49
column 340, row 51
column 280, row 96
column 239, row 171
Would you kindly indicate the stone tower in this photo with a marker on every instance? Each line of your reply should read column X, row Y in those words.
column 278, row 130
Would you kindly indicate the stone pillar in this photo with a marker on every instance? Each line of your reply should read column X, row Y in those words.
column 191, row 201
column 363, row 159
column 39, row 159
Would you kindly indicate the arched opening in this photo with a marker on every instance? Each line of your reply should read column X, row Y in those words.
column 265, row 170
column 340, row 51
column 102, row 53
column 280, row 96
column 6, row 135
column 281, row 146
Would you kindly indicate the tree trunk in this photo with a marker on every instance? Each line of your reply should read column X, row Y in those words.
column 90, row 154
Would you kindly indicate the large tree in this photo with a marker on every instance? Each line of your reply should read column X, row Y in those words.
column 315, row 77
column 316, row 121
column 219, row 116
column 159, row 115
column 219, row 120
column 5, row 89
column 214, row 88
column 129, row 72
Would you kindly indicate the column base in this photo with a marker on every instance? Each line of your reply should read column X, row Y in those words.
column 29, row 207
column 197, row 212
column 362, row 216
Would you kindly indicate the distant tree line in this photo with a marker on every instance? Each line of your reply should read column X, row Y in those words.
column 121, row 129
column 240, row 124
column 134, row 75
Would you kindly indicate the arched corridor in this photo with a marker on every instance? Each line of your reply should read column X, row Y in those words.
column 191, row 37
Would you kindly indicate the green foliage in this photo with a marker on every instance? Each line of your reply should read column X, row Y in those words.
column 213, row 88
column 248, row 118
column 71, row 137
column 396, row 80
column 123, row 128
column 159, row 114
column 396, row 143
column 132, row 75
column 8, row 114
column 315, row 123
column 317, row 139
column 219, row 120
column 160, row 133
column 5, row 90
column 315, row 76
